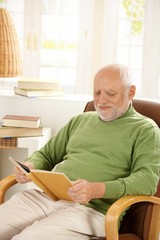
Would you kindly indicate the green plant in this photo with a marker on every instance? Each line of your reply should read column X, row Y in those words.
column 2, row 1
column 135, row 12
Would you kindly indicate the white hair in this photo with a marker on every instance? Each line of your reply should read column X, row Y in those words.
column 123, row 71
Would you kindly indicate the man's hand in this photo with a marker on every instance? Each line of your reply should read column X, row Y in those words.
column 83, row 191
column 20, row 176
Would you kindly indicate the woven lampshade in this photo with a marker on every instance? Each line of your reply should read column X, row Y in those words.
column 10, row 57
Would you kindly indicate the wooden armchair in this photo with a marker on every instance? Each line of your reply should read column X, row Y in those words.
column 142, row 220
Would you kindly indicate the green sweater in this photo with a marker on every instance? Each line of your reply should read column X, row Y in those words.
column 124, row 153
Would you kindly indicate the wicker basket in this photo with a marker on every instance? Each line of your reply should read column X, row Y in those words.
column 10, row 57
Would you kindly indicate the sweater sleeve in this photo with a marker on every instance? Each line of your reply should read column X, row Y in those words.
column 53, row 151
column 145, row 167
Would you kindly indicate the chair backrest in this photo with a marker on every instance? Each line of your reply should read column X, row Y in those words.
column 138, row 217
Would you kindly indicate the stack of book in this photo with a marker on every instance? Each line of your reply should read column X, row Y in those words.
column 14, row 126
column 29, row 87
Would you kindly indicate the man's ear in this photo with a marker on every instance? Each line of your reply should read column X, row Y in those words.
column 132, row 92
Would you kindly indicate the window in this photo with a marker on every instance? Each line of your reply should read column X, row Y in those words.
column 55, row 39
column 59, row 41
column 130, row 37
column 70, row 40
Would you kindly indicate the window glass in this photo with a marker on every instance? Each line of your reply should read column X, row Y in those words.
column 131, row 36
column 59, row 41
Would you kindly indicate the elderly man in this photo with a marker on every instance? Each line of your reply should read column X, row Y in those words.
column 107, row 154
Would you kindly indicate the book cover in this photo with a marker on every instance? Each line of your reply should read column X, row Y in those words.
column 37, row 83
column 54, row 184
column 21, row 121
column 38, row 93
column 20, row 132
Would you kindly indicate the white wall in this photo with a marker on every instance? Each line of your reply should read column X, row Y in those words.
column 54, row 112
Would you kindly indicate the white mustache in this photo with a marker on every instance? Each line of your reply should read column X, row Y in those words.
column 104, row 105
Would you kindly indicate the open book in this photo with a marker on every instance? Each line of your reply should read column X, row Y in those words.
column 54, row 184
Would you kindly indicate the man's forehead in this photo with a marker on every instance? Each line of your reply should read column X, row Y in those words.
column 108, row 82
column 106, row 88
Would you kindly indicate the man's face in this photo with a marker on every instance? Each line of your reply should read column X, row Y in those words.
column 111, row 96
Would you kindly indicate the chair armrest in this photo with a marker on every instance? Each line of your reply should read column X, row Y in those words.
column 5, row 184
column 114, row 212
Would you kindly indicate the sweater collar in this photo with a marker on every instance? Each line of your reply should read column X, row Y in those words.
column 129, row 111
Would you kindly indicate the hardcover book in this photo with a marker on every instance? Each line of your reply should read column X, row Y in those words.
column 20, row 132
column 38, row 84
column 21, row 121
column 54, row 184
column 37, row 92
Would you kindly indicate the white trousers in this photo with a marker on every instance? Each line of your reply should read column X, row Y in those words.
column 31, row 215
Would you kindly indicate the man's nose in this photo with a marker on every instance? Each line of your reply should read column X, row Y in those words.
column 103, row 98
